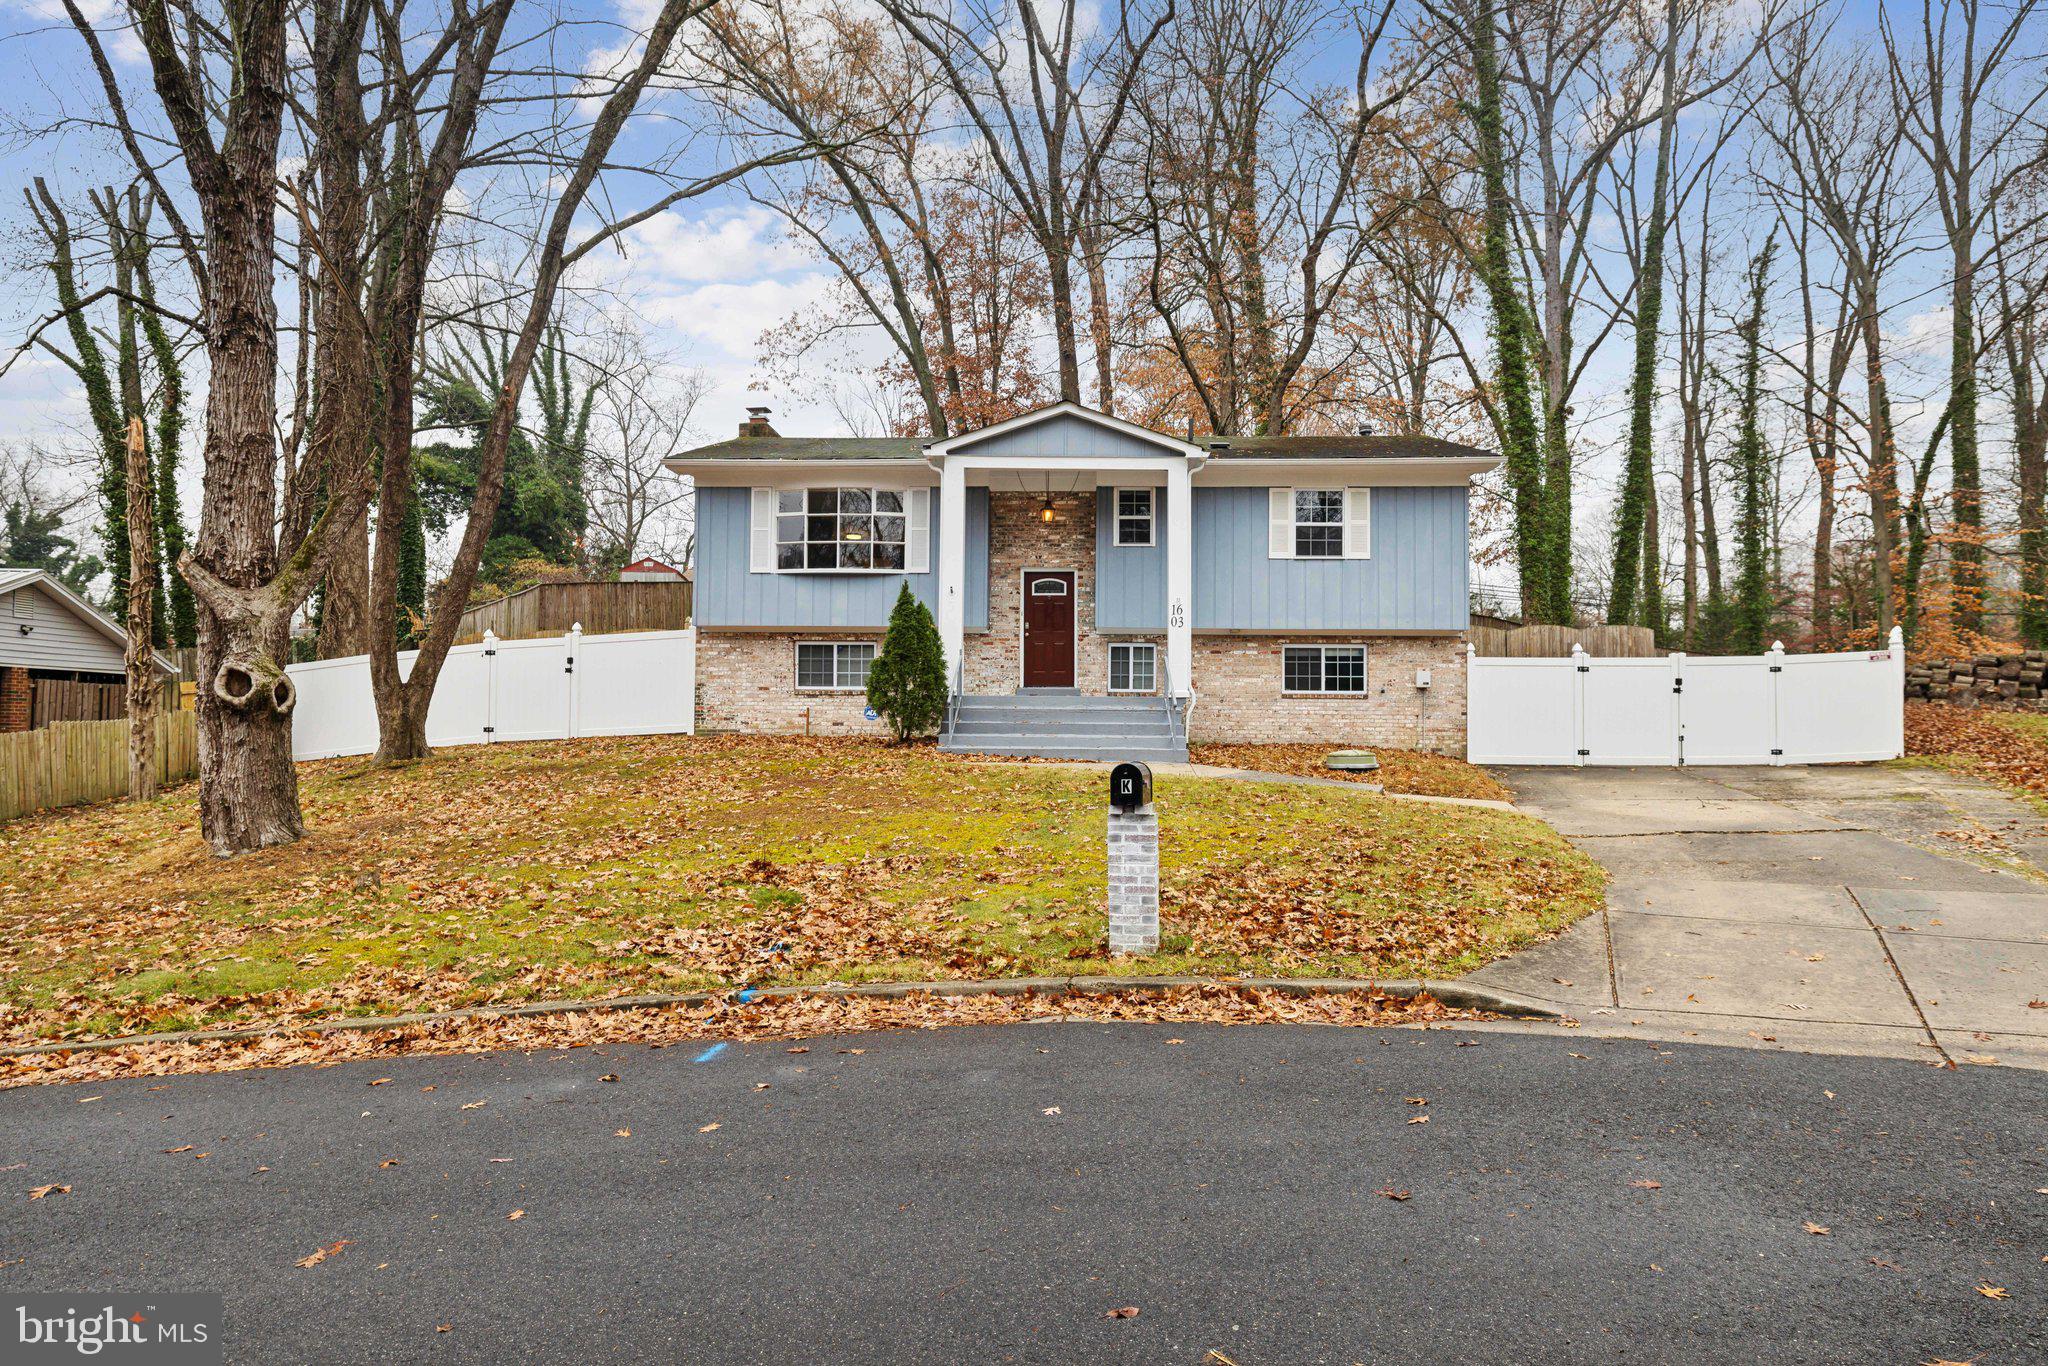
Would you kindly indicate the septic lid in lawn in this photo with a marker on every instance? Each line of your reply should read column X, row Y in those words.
column 1352, row 760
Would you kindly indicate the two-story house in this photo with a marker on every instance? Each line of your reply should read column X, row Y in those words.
column 1102, row 590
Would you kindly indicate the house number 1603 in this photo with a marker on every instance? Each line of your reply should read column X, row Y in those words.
column 1177, row 614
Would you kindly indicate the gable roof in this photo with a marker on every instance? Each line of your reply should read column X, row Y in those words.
column 15, row 578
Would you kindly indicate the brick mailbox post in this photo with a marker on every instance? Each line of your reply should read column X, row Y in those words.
column 1133, row 861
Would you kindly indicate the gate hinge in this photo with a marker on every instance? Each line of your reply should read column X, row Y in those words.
column 1777, row 668
column 489, row 653
column 489, row 729
column 1585, row 668
column 1776, row 752
column 1584, row 753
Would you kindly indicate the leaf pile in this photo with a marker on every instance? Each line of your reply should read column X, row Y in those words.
column 775, row 1018
column 510, row 873
column 1999, row 744
column 1412, row 771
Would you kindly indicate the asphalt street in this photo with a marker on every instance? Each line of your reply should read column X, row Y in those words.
column 992, row 1194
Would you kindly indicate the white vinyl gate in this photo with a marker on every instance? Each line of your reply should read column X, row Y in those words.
column 1771, row 708
column 552, row 688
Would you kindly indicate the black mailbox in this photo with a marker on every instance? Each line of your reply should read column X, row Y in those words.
column 1130, row 785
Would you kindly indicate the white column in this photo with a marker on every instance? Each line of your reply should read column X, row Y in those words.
column 952, row 563
column 1180, row 577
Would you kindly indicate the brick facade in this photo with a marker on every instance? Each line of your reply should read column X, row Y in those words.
column 746, row 681
column 1239, row 698
column 14, row 699
column 1133, row 865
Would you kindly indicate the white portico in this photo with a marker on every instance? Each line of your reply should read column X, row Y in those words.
column 1054, row 452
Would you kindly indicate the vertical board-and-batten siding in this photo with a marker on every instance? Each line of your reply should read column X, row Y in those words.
column 1130, row 580
column 728, row 594
column 57, row 638
column 1066, row 435
column 1416, row 580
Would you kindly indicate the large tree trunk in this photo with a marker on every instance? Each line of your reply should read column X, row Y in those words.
column 345, row 607
column 1634, row 512
column 141, row 659
column 1884, row 477
column 1519, row 437
column 248, row 789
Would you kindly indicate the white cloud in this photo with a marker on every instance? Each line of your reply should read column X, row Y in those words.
column 741, row 243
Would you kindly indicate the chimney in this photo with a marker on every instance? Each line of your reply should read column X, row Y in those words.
column 757, row 423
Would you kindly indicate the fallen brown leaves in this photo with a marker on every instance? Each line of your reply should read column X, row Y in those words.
column 774, row 1018
column 1990, row 742
column 52, row 1189
column 315, row 1258
column 1410, row 771
column 672, row 863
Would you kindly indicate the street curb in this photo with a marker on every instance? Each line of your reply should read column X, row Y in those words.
column 1457, row 995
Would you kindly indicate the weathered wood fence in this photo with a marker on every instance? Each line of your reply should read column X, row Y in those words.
column 1555, row 642
column 549, row 609
column 54, row 699
column 87, row 761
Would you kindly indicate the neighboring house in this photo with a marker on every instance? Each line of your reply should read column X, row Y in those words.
column 652, row 571
column 1100, row 589
column 51, row 636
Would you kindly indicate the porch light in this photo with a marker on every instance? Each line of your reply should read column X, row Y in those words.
column 1046, row 514
column 853, row 533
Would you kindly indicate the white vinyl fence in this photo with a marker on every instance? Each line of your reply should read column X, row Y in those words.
column 554, row 688
column 1771, row 708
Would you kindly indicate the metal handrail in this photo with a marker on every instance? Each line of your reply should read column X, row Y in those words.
column 1177, row 718
column 953, row 696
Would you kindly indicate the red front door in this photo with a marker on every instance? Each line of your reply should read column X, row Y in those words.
column 1049, row 629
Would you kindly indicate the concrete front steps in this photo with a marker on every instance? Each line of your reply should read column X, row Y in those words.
column 1059, row 723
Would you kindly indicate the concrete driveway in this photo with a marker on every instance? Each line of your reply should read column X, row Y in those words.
column 1856, row 909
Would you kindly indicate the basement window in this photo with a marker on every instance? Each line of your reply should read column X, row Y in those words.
column 1133, row 668
column 1323, row 669
column 834, row 665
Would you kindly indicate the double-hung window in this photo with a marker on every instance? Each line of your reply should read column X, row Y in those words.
column 1319, row 524
column 840, row 528
column 1134, row 668
column 1323, row 669
column 1134, row 517
column 834, row 665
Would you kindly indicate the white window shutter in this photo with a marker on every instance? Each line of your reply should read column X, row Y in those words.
column 917, row 553
column 1357, row 524
column 761, row 538
column 1280, row 534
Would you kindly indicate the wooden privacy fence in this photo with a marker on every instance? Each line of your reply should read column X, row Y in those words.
column 54, row 699
column 549, row 609
column 1555, row 642
column 87, row 761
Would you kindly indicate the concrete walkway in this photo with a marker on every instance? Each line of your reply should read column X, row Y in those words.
column 1857, row 909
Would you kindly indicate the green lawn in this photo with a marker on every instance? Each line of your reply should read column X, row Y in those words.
column 601, row 867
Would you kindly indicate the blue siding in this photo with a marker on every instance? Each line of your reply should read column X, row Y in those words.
column 1417, row 578
column 728, row 595
column 1066, row 435
column 1130, row 580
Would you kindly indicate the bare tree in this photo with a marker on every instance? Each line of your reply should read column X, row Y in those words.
column 1960, row 110
column 1047, row 104
column 645, row 411
column 1249, row 199
column 1839, row 137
